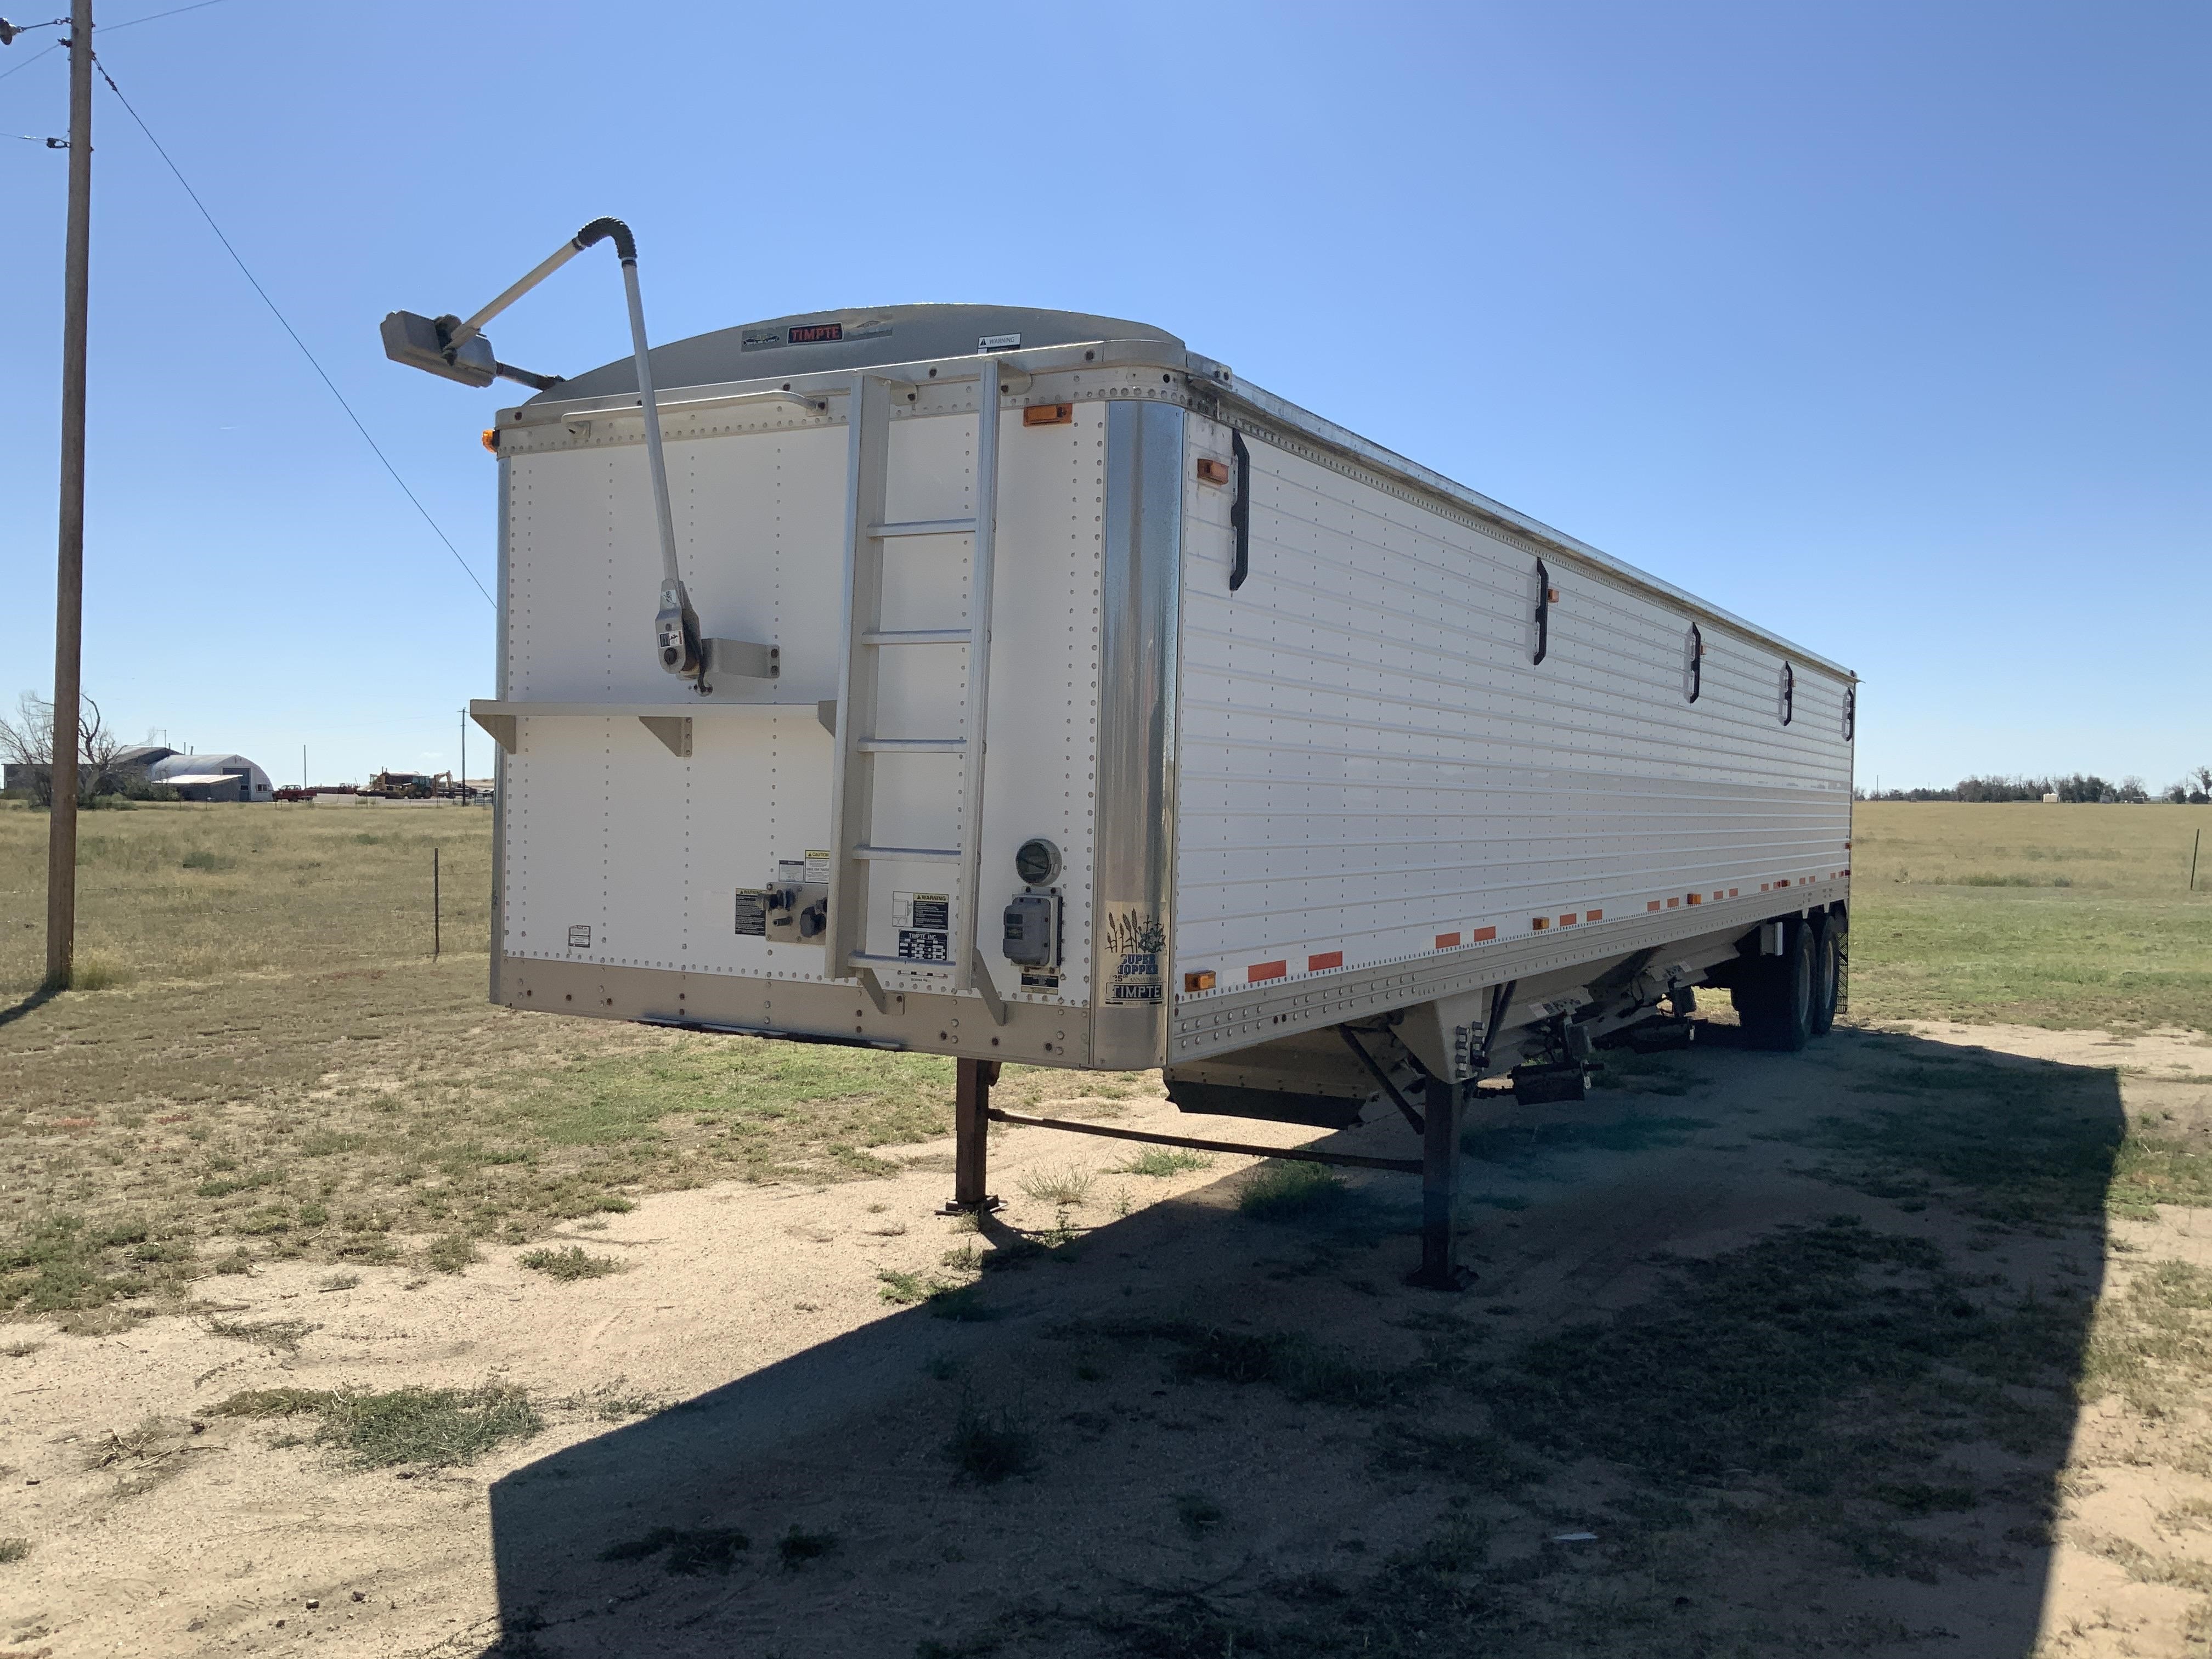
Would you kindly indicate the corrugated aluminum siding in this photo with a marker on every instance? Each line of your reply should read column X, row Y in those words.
column 1372, row 771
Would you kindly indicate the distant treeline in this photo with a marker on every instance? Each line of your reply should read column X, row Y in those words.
column 2194, row 790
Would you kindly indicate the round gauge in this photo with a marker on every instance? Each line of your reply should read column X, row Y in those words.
column 1037, row 862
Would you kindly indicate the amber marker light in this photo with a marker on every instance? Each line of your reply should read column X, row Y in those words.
column 492, row 439
column 1200, row 980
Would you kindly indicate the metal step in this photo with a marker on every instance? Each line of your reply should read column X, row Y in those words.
column 911, row 745
column 913, row 855
column 916, row 636
column 883, row 532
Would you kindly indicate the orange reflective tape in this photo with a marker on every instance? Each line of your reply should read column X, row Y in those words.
column 1595, row 916
column 1654, row 905
column 1325, row 959
column 1260, row 970
column 1445, row 941
column 1568, row 919
column 1481, row 935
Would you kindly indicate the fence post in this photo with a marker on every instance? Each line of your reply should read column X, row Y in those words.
column 437, row 918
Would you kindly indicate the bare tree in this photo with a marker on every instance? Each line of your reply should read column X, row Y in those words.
column 27, row 743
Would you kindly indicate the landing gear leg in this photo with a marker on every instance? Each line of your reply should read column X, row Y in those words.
column 1440, row 1269
column 971, row 1127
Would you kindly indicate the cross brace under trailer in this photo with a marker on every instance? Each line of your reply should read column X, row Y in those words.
column 1438, row 1166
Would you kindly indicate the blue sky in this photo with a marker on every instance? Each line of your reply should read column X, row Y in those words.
column 1883, row 324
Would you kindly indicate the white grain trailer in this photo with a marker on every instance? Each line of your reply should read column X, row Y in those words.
column 1055, row 695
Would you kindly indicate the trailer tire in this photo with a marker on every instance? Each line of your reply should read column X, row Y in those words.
column 1776, row 1003
column 1828, row 949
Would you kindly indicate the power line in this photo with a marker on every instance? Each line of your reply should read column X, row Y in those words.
column 32, row 59
column 132, row 23
column 288, row 328
column 105, row 28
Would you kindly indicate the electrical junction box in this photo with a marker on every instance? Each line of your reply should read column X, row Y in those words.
column 1032, row 930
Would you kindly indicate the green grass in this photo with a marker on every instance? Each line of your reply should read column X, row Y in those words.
column 1744, row 1364
column 427, row 1427
column 2073, row 917
column 1164, row 1161
column 571, row 1263
column 2068, row 1149
column 1285, row 1190
column 1063, row 1189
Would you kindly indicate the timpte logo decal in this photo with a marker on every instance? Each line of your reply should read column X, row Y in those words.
column 792, row 334
column 1135, row 940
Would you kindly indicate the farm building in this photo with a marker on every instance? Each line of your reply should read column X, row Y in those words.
column 211, row 777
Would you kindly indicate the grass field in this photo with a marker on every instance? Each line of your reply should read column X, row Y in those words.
column 2076, row 917
column 266, row 1062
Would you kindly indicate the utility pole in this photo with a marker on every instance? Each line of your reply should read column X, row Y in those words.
column 464, row 755
column 69, row 585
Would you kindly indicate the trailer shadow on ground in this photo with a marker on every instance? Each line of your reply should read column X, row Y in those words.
column 1769, row 1354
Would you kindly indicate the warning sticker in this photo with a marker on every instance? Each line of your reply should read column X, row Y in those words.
column 752, row 910
column 580, row 939
column 1133, row 939
column 933, row 911
column 924, row 922
column 817, row 866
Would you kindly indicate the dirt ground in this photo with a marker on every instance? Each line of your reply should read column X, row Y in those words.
column 1768, row 1355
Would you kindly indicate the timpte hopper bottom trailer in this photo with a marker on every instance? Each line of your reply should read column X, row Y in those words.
column 1020, row 685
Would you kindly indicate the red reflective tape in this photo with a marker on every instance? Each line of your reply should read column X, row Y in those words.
column 1260, row 970
column 1673, row 903
column 1595, row 916
column 1327, row 959
column 1731, row 892
column 1481, row 935
column 1445, row 941
column 1654, row 905
column 1568, row 919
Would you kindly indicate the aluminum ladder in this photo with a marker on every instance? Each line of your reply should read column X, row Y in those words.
column 871, row 538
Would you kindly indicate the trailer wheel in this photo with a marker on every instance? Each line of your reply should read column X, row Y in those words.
column 1828, row 948
column 1776, row 1004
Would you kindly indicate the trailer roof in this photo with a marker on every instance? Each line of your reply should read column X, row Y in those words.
column 815, row 342
column 862, row 338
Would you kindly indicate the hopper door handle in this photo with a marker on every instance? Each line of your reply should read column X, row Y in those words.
column 1240, row 511
column 1543, row 614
